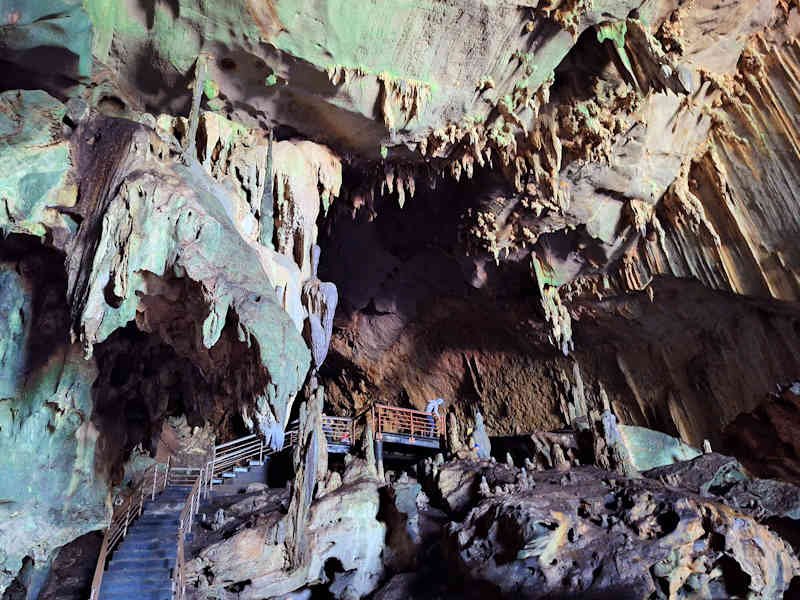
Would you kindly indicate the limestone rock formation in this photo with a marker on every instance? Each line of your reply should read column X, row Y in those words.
column 764, row 440
column 596, row 533
column 724, row 477
column 341, row 546
column 50, row 491
column 576, row 222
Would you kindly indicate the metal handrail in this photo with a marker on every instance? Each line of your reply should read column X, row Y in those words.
column 338, row 430
column 238, row 451
column 127, row 512
column 237, row 441
column 223, row 457
column 200, row 478
column 406, row 421
column 190, row 508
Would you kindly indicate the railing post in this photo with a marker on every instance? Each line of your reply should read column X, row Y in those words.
column 97, row 580
column 127, row 519
column 197, row 493
column 166, row 472
column 155, row 477
column 261, row 450
column 411, row 421
column 213, row 466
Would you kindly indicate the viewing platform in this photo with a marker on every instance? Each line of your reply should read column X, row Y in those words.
column 408, row 427
column 339, row 433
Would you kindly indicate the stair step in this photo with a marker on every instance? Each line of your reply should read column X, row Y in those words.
column 257, row 463
column 147, row 535
column 118, row 590
column 228, row 475
column 118, row 577
column 147, row 544
column 148, row 527
column 165, row 551
column 163, row 524
column 141, row 564
column 241, row 469
column 165, row 510
column 147, row 550
column 171, row 522
column 138, row 573
column 163, row 595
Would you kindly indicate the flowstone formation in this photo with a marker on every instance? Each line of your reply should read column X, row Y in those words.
column 160, row 281
column 51, row 492
column 574, row 222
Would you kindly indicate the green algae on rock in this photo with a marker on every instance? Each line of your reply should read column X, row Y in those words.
column 50, row 492
column 34, row 164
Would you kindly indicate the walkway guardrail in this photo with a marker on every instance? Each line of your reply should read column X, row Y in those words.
column 338, row 430
column 201, row 479
column 190, row 508
column 407, row 422
column 153, row 482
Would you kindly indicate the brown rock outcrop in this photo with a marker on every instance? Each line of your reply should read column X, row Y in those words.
column 595, row 534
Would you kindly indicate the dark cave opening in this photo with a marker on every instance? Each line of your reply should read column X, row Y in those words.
column 418, row 269
column 50, row 68
column 41, row 268
column 141, row 383
column 587, row 60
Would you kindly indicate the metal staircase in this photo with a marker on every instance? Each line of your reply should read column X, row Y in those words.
column 142, row 564
column 145, row 539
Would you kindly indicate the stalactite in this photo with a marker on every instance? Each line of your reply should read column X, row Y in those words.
column 267, row 199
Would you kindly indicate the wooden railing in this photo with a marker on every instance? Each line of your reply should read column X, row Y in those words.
column 201, row 479
column 190, row 509
column 407, row 422
column 338, row 430
column 154, row 480
column 228, row 455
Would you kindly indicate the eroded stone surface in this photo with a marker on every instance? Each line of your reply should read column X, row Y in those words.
column 51, row 490
column 549, row 214
column 593, row 532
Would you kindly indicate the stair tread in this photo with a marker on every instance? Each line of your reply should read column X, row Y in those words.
column 142, row 563
column 166, row 553
column 121, row 576
column 122, row 579
column 131, row 592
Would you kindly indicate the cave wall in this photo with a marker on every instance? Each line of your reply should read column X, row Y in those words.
column 163, row 301
column 515, row 202
column 50, row 492
column 417, row 322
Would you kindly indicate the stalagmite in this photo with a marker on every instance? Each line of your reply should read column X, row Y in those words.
column 246, row 247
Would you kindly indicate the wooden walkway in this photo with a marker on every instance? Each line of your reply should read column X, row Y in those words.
column 408, row 427
column 167, row 484
column 339, row 433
